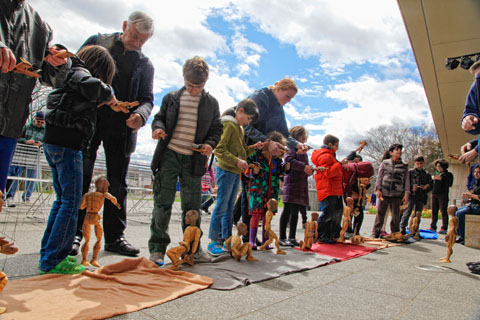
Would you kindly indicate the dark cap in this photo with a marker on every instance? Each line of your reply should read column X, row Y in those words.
column 40, row 115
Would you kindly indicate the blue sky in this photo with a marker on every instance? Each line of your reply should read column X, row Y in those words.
column 353, row 65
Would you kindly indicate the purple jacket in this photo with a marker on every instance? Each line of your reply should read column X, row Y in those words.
column 295, row 184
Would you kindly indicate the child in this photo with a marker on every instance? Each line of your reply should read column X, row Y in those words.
column 393, row 186
column 232, row 155
column 208, row 182
column 420, row 185
column 264, row 181
column 70, row 125
column 295, row 188
column 442, row 182
column 187, row 117
column 328, row 181
column 472, row 208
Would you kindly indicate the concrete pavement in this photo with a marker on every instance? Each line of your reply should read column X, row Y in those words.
column 405, row 282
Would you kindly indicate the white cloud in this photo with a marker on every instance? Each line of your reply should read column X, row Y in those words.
column 371, row 103
column 181, row 30
column 305, row 114
column 249, row 53
column 339, row 32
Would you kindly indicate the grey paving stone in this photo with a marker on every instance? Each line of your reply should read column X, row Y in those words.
column 215, row 304
column 334, row 301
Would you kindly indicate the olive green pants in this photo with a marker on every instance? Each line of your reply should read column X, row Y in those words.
column 174, row 166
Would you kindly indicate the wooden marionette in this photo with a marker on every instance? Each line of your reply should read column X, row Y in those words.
column 93, row 202
column 191, row 236
column 235, row 246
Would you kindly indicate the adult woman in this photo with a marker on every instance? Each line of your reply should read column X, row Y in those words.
column 270, row 102
column 392, row 188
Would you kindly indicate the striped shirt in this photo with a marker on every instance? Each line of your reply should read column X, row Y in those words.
column 184, row 135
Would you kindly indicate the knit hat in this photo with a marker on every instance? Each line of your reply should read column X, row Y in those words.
column 40, row 115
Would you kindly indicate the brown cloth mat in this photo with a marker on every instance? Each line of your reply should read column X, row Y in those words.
column 230, row 274
column 126, row 286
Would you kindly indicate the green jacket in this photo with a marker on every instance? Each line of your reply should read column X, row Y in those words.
column 232, row 145
column 31, row 132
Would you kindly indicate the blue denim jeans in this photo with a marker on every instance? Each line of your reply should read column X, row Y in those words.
column 222, row 216
column 7, row 148
column 67, row 174
column 12, row 185
column 461, row 217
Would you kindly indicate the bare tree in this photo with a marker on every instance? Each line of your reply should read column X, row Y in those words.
column 421, row 140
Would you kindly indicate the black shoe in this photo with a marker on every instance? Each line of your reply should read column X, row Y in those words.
column 258, row 242
column 75, row 245
column 460, row 240
column 294, row 243
column 123, row 247
column 205, row 210
column 284, row 243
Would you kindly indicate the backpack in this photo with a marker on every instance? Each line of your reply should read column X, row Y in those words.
column 354, row 170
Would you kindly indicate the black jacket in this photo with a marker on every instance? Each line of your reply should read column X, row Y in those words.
column 209, row 127
column 420, row 178
column 440, row 187
column 27, row 35
column 111, row 125
column 72, row 110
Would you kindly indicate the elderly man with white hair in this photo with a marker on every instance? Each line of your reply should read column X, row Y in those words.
column 117, row 130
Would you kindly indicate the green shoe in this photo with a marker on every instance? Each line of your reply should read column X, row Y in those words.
column 69, row 259
column 65, row 267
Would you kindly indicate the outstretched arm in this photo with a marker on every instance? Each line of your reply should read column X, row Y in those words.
column 112, row 199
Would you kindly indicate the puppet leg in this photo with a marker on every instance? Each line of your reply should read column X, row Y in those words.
column 249, row 252
column 86, row 236
column 273, row 236
column 98, row 243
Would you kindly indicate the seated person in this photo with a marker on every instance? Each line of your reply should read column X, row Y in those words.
column 472, row 208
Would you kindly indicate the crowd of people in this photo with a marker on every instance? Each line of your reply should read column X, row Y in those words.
column 252, row 143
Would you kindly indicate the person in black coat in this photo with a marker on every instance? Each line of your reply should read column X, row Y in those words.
column 442, row 181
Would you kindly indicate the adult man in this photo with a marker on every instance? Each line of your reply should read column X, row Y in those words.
column 420, row 185
column 23, row 34
column 117, row 130
column 32, row 134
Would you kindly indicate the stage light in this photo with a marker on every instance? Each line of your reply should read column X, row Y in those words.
column 452, row 63
column 466, row 62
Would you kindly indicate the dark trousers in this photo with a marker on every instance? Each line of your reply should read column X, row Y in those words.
column 289, row 214
column 114, row 219
column 174, row 166
column 412, row 204
column 357, row 220
column 303, row 212
column 329, row 223
column 382, row 207
column 439, row 202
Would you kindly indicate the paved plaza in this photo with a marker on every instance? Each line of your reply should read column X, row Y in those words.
column 404, row 282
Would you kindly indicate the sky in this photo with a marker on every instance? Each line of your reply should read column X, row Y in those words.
column 351, row 60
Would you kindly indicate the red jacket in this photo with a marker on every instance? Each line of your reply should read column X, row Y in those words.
column 328, row 182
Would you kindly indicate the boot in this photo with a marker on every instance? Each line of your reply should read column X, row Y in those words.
column 253, row 237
